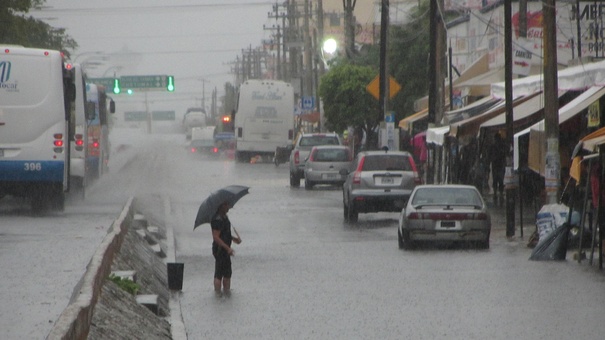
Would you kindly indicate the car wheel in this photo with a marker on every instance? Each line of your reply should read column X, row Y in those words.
column 484, row 244
column 308, row 184
column 400, row 239
column 294, row 180
column 404, row 241
column 353, row 214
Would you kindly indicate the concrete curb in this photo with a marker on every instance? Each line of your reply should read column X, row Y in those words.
column 177, row 326
column 74, row 322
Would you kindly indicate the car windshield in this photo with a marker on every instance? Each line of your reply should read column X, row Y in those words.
column 318, row 140
column 386, row 162
column 331, row 155
column 449, row 196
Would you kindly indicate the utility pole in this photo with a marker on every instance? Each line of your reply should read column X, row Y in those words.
column 508, row 89
column 436, row 75
column 308, row 91
column 551, row 103
column 349, row 7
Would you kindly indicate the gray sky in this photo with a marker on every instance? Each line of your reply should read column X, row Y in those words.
column 189, row 39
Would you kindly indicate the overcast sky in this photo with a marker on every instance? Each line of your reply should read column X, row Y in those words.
column 190, row 39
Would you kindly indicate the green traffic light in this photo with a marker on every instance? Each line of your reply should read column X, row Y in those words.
column 129, row 91
column 170, row 84
column 116, row 86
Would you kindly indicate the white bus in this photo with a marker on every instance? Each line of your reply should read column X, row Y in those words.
column 264, row 118
column 84, row 113
column 36, row 91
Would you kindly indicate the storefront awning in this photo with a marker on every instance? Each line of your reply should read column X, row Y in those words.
column 572, row 78
column 470, row 110
column 524, row 114
column 406, row 122
column 467, row 128
column 537, row 144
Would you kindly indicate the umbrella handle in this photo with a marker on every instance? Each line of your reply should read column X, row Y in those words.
column 236, row 233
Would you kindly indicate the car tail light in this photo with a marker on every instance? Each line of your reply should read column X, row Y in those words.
column 296, row 157
column 414, row 216
column 215, row 149
column 357, row 174
column 193, row 150
column 480, row 216
column 95, row 144
column 312, row 156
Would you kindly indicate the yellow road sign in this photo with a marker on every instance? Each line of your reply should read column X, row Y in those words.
column 374, row 87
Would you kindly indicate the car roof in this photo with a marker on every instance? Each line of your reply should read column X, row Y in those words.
column 330, row 134
column 330, row 146
column 382, row 152
column 445, row 186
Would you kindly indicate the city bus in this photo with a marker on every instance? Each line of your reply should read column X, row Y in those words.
column 264, row 118
column 98, row 130
column 36, row 125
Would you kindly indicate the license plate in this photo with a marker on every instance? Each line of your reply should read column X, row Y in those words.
column 330, row 176
column 448, row 224
column 387, row 180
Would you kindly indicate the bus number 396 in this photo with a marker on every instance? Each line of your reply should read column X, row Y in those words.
column 33, row 166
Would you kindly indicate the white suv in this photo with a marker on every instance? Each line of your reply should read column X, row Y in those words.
column 302, row 148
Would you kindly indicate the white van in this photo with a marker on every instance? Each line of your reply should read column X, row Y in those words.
column 264, row 118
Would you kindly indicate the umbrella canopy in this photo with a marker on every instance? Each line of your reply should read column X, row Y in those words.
column 208, row 208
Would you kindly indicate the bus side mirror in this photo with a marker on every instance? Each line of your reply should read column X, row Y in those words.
column 90, row 110
column 112, row 106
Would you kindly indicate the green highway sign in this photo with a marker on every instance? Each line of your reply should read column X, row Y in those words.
column 107, row 82
column 132, row 116
column 144, row 82
column 163, row 115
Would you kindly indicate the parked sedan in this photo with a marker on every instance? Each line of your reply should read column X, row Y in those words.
column 324, row 164
column 444, row 213
column 380, row 181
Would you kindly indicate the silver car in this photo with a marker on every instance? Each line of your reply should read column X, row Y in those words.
column 379, row 181
column 444, row 213
column 324, row 164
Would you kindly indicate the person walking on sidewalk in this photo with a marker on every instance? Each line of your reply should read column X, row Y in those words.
column 221, row 249
column 498, row 163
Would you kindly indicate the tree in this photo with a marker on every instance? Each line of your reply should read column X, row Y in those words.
column 408, row 60
column 346, row 101
column 18, row 29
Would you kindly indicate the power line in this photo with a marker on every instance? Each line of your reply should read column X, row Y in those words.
column 120, row 10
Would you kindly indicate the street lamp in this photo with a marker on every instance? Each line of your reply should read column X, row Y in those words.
column 329, row 46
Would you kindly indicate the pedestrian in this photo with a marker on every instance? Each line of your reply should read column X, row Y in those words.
column 498, row 163
column 221, row 249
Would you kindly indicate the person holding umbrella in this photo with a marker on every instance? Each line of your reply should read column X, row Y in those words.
column 221, row 249
column 214, row 210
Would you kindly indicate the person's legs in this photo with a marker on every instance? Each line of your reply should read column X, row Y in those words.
column 227, row 285
column 217, row 285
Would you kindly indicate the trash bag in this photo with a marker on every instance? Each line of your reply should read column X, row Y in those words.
column 552, row 247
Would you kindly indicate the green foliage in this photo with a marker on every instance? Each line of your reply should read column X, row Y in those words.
column 345, row 99
column 126, row 284
column 19, row 29
column 408, row 59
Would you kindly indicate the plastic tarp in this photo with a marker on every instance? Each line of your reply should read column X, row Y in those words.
column 572, row 78
column 437, row 135
column 592, row 141
column 537, row 147
column 552, row 224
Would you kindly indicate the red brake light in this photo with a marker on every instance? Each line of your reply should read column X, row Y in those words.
column 215, row 149
column 414, row 216
column 312, row 155
column 193, row 150
column 58, row 142
column 7, row 50
column 79, row 142
column 296, row 157
column 95, row 144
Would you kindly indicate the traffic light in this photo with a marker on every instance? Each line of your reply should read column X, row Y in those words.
column 170, row 83
column 130, row 91
column 116, row 86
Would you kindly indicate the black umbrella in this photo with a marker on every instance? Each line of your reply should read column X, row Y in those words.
column 208, row 208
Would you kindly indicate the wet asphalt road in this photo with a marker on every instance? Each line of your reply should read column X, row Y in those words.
column 302, row 273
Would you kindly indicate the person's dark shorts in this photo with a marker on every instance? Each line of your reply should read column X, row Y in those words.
column 222, row 265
